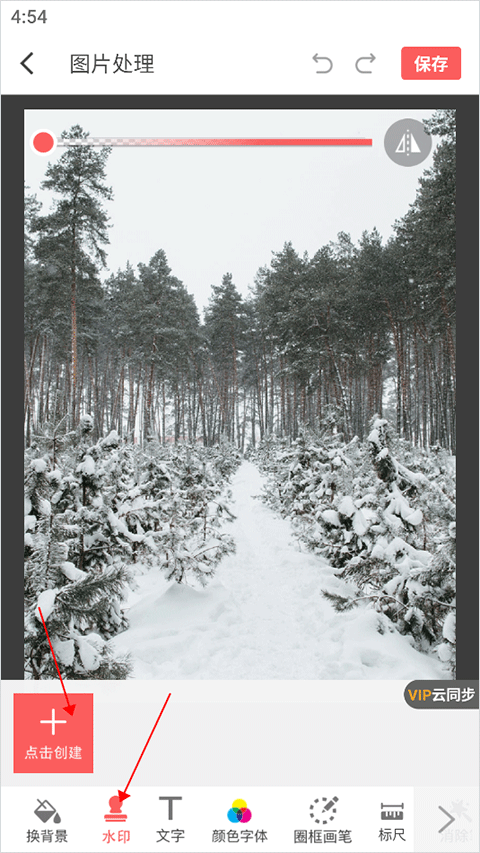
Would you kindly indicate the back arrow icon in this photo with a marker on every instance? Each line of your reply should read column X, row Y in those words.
column 370, row 59
column 318, row 58
column 448, row 815
column 26, row 66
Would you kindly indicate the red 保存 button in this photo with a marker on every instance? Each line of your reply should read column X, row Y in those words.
column 431, row 63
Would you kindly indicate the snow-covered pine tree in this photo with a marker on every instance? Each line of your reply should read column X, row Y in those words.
column 38, row 527
column 142, row 506
column 304, row 478
column 193, row 512
column 81, row 606
column 383, row 514
column 224, row 458
column 71, row 239
column 397, row 563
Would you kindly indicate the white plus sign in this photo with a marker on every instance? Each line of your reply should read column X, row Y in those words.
column 53, row 722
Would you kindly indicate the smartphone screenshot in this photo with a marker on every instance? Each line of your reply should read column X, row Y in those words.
column 238, row 241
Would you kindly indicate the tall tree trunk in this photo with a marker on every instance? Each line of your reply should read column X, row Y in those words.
column 253, row 418
column 131, row 396
column 343, row 396
column 272, row 392
column 283, row 416
column 451, row 345
column 73, row 307
column 164, row 414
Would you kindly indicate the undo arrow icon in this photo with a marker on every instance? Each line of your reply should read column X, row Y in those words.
column 318, row 58
column 26, row 66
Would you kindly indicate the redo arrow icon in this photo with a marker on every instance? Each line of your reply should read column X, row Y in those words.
column 362, row 60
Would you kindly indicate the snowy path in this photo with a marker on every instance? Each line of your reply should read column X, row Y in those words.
column 262, row 616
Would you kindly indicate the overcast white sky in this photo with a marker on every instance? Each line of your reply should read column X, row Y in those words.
column 217, row 210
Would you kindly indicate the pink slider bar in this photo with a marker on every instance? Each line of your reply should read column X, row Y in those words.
column 172, row 141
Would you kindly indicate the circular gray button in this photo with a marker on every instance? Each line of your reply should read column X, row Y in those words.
column 406, row 142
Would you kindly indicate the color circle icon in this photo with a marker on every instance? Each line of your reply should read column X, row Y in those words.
column 239, row 813
column 43, row 142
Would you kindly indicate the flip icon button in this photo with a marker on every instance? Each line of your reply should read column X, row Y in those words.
column 48, row 740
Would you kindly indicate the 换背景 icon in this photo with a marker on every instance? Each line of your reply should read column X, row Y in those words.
column 45, row 811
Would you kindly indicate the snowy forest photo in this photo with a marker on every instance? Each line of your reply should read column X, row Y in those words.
column 240, row 454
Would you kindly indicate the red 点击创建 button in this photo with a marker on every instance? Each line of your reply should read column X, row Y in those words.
column 431, row 63
column 47, row 739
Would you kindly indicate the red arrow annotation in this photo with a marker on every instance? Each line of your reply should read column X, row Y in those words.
column 70, row 708
column 122, row 795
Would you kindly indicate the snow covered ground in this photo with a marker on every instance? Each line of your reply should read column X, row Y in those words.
column 263, row 616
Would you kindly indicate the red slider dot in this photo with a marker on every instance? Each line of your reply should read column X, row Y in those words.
column 43, row 142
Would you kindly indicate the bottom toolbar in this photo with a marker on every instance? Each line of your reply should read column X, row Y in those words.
column 272, row 820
